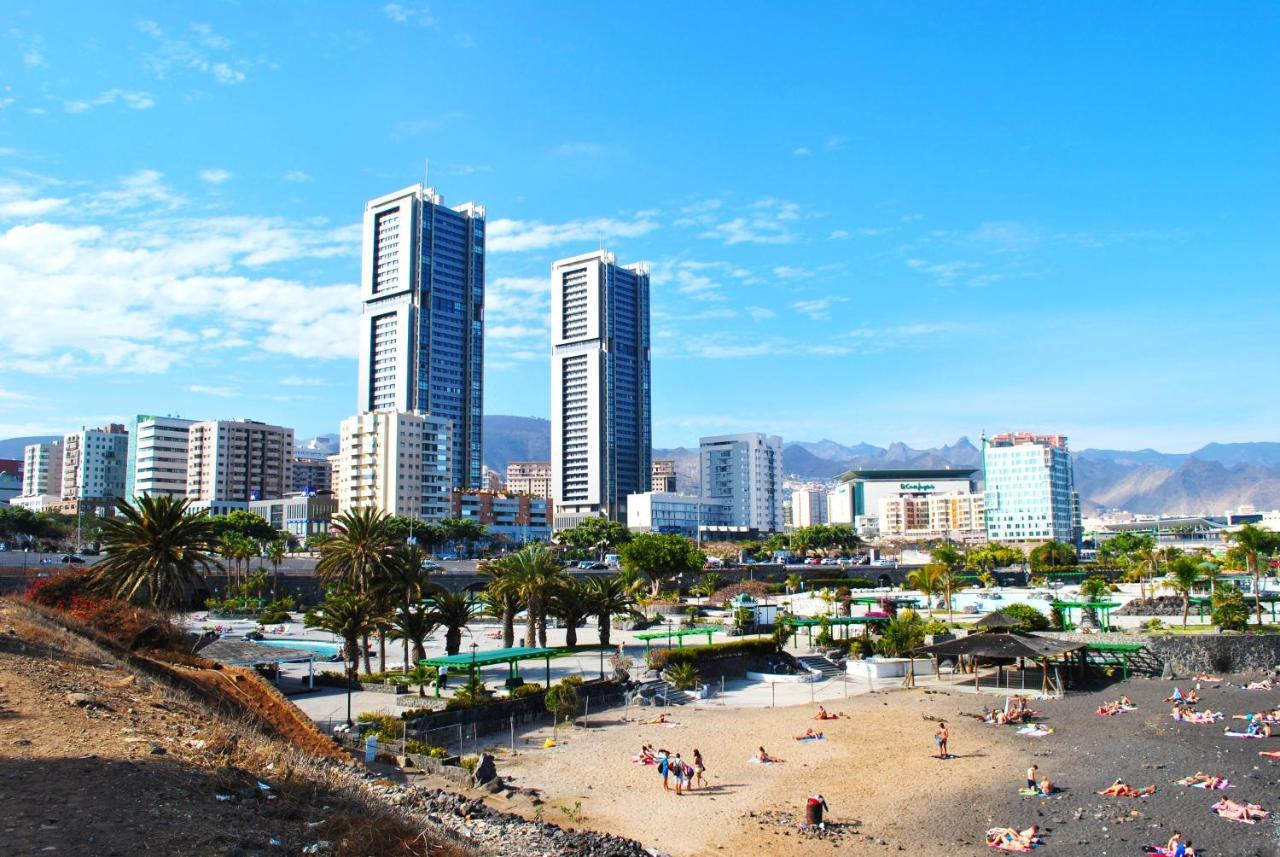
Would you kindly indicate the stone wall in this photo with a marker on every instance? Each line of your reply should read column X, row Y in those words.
column 1193, row 653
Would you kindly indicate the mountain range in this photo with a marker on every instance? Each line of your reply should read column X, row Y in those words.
column 1211, row 480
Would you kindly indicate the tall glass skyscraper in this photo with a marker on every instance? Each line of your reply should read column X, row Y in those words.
column 600, row 413
column 1030, row 488
column 422, row 329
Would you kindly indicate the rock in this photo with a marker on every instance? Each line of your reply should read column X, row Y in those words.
column 83, row 700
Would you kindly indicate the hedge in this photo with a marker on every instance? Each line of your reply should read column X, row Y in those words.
column 850, row 582
column 660, row 659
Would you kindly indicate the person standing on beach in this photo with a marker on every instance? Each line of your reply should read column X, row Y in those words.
column 699, row 768
column 678, row 765
column 940, row 738
column 1031, row 776
column 664, row 769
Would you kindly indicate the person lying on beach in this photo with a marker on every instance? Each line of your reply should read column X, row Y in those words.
column 1175, row 847
column 1010, row 839
column 765, row 759
column 824, row 715
column 659, row 720
column 1201, row 780
column 1195, row 716
column 809, row 735
column 1206, row 677
column 1239, row 811
column 1265, row 684
column 1122, row 789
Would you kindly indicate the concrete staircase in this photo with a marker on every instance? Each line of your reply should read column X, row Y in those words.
column 659, row 692
column 817, row 663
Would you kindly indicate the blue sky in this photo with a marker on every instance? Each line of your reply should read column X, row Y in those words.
column 866, row 221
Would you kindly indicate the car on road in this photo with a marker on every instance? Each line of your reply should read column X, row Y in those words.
column 71, row 559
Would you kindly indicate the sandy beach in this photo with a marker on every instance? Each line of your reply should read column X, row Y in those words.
column 885, row 789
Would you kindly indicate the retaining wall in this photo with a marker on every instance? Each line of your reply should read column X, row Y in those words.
column 1194, row 653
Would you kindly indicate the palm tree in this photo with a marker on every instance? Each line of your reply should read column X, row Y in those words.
column 360, row 551
column 502, row 596
column 709, row 584
column 421, row 676
column 275, row 555
column 1253, row 541
column 792, row 582
column 926, row 579
column 536, row 573
column 1182, row 576
column 351, row 616
column 402, row 582
column 413, row 623
column 155, row 552
column 571, row 602
column 609, row 597
column 451, row 611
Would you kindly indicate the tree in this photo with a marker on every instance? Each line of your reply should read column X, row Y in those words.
column 926, row 579
column 660, row 556
column 595, row 535
column 1052, row 554
column 351, row 616
column 245, row 524
column 413, row 623
column 502, row 596
column 1253, row 541
column 793, row 582
column 425, row 535
column 951, row 561
column 451, row 611
column 1229, row 610
column 902, row 634
column 536, row 574
column 360, row 552
column 1181, row 577
column 155, row 552
column 464, row 531
column 709, row 584
column 1123, row 548
column 1029, row 618
column 275, row 555
column 609, row 597
column 404, row 581
column 991, row 556
column 571, row 603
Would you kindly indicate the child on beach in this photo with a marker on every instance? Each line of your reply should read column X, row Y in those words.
column 940, row 738
column 1031, row 776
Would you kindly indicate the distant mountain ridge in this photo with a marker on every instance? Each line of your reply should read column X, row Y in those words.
column 1211, row 480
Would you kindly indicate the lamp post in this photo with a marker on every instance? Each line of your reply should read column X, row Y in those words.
column 352, row 658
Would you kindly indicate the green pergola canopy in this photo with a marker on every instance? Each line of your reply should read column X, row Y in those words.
column 1103, row 608
column 511, row 656
column 678, row 634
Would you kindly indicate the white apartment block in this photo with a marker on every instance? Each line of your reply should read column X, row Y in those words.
column 667, row 512
column 157, row 457
column 397, row 462
column 312, row 472
column 42, row 469
column 956, row 516
column 841, row 504
column 600, row 398
column 808, row 507
column 238, row 461
column 94, row 463
column 1030, row 489
column 744, row 471
column 529, row 477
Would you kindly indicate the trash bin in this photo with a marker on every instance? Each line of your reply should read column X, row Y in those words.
column 813, row 812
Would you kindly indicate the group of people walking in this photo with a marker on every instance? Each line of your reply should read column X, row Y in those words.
column 688, row 774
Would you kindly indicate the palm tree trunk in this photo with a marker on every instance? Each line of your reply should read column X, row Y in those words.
column 364, row 651
column 1186, row 607
column 508, row 623
column 542, row 627
column 531, row 623
column 571, row 632
column 382, row 649
column 604, row 628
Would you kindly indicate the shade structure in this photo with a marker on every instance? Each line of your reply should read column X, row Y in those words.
column 237, row 653
column 1013, row 644
column 997, row 621
column 510, row 656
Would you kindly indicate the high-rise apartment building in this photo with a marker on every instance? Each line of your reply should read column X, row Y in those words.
column 663, row 479
column 1030, row 488
column 744, row 471
column 422, row 328
column 958, row 517
column 94, row 463
column 238, row 460
column 808, row 507
column 157, row 457
column 600, row 417
column 395, row 462
column 312, row 472
column 532, row 478
column 42, row 469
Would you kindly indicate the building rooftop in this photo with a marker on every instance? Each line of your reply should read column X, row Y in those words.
column 892, row 475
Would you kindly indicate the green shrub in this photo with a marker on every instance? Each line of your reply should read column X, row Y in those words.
column 274, row 617
column 469, row 763
column 660, row 659
column 1152, row 625
column 901, row 634
column 573, row 680
column 1229, row 610
column 412, row 713
column 684, row 676
column 471, row 695
column 1094, row 587
column 388, row 727
column 936, row 627
column 1029, row 618
column 839, row 583
column 422, row 748
column 562, row 700
column 531, row 688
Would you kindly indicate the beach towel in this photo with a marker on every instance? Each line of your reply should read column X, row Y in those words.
column 753, row 760
column 1186, row 781
column 1231, row 733
column 1026, row 792
column 1158, row 850
column 1002, row 844
column 813, row 738
column 1034, row 730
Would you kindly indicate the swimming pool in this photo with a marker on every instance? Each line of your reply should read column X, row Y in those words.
column 318, row 646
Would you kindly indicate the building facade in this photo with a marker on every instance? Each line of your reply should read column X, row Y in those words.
column 94, row 463
column 312, row 473
column 422, row 282
column 957, row 517
column 808, row 507
column 157, row 457
column 664, row 476
column 396, row 462
column 42, row 469
column 693, row 517
column 238, row 460
column 744, row 472
column 1030, row 488
column 300, row 515
column 529, row 477
column 600, row 397
column 517, row 518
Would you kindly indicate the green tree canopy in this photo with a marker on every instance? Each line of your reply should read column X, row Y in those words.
column 597, row 535
column 155, row 553
column 660, row 556
column 1253, row 542
column 1125, row 548
column 991, row 556
column 1052, row 554
column 243, row 523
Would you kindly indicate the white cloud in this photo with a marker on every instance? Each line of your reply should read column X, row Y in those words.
column 943, row 273
column 220, row 392
column 200, row 52
column 18, row 201
column 151, row 290
column 759, row 313
column 801, row 151
column 30, row 47
column 768, row 221
column 506, row 235
column 694, row 279
column 409, row 14
column 468, row 169
column 132, row 100
column 818, row 308
column 295, row 381
column 297, row 177
column 792, row 272
column 835, row 144
column 1004, row 236
column 214, row 176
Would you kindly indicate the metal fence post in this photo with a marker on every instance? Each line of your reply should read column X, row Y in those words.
column 460, row 741
column 513, row 734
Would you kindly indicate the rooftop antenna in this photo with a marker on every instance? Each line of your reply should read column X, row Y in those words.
column 426, row 172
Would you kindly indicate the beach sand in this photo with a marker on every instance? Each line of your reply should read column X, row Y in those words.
column 886, row 791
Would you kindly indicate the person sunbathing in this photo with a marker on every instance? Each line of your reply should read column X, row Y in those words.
column 1011, row 839
column 1046, row 787
column 1191, row 698
column 765, row 759
column 1265, row 684
column 1175, row 847
column 1206, row 677
column 823, row 714
column 659, row 720
column 809, row 735
column 1126, row 701
column 1239, row 811
column 1121, row 789
column 1204, row 781
column 1270, row 754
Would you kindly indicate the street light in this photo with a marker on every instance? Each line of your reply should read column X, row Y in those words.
column 352, row 658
